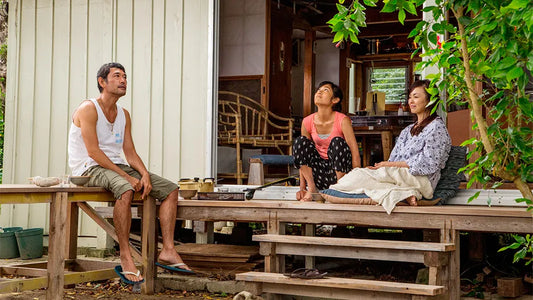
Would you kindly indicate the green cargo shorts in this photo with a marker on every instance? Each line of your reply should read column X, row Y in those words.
column 118, row 185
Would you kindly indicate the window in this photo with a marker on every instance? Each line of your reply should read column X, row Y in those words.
column 390, row 80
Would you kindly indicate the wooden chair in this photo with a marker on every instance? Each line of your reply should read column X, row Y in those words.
column 244, row 122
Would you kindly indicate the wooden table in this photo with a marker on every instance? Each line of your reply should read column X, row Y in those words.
column 64, row 203
column 448, row 220
column 385, row 132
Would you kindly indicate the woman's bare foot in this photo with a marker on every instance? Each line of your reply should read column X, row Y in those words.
column 411, row 201
column 307, row 197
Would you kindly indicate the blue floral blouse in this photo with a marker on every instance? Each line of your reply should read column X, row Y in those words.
column 426, row 153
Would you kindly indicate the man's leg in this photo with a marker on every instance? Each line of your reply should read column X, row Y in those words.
column 167, row 219
column 122, row 220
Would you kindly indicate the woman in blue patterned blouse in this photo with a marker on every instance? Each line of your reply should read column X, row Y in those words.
column 422, row 147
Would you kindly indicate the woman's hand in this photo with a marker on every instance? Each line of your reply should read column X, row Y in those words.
column 398, row 164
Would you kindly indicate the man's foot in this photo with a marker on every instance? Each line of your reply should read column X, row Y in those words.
column 129, row 266
column 411, row 201
column 171, row 257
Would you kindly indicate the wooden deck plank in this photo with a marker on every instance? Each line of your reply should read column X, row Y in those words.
column 359, row 243
column 343, row 283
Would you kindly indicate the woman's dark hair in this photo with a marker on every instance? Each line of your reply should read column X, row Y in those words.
column 417, row 129
column 104, row 71
column 337, row 93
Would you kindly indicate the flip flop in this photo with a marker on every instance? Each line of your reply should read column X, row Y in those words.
column 175, row 268
column 304, row 273
column 121, row 273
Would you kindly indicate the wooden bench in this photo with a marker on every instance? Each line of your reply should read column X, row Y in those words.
column 63, row 267
column 436, row 256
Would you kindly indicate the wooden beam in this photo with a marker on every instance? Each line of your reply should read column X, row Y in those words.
column 309, row 72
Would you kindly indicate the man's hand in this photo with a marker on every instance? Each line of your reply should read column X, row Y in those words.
column 135, row 183
column 146, row 185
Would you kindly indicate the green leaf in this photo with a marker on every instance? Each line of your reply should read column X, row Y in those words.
column 520, row 254
column 410, row 7
column 370, row 3
column 514, row 73
column 473, row 197
column 342, row 9
column 401, row 16
column 389, row 7
column 338, row 36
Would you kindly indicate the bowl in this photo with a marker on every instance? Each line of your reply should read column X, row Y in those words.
column 80, row 180
column 187, row 194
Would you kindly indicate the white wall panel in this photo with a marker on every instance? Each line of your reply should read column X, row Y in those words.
column 56, row 48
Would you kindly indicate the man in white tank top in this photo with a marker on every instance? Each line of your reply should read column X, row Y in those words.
column 100, row 132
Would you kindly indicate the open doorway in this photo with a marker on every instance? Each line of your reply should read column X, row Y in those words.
column 275, row 52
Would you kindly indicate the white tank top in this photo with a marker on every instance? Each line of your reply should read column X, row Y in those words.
column 110, row 140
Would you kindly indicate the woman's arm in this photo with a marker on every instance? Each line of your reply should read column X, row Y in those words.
column 435, row 152
column 349, row 136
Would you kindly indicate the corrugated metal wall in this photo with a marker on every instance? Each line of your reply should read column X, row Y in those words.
column 55, row 49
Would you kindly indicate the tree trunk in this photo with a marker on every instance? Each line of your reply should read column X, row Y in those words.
column 476, row 106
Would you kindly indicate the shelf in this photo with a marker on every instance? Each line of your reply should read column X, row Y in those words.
column 388, row 57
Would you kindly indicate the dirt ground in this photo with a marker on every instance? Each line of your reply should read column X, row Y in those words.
column 113, row 289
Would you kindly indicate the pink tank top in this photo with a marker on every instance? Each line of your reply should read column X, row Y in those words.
column 323, row 144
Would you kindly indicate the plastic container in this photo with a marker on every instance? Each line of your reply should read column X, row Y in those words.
column 8, row 243
column 30, row 243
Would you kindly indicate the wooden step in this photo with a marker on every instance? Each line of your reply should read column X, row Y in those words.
column 336, row 288
column 388, row 250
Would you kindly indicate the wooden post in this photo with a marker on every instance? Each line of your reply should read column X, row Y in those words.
column 71, row 245
column 309, row 72
column 450, row 235
column 310, row 231
column 149, row 245
column 56, row 253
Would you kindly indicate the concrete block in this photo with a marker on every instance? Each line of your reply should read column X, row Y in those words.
column 228, row 286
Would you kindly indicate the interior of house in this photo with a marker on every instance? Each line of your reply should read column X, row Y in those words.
column 275, row 52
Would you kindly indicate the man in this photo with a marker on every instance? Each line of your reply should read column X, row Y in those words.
column 100, row 132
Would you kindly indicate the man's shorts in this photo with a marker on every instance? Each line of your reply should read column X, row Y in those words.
column 118, row 185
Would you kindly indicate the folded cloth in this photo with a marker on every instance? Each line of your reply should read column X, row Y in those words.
column 387, row 185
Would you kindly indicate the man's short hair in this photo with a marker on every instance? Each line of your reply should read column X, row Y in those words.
column 104, row 71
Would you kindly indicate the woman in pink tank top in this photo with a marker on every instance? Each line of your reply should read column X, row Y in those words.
column 326, row 149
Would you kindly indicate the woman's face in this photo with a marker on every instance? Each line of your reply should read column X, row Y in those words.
column 418, row 100
column 324, row 95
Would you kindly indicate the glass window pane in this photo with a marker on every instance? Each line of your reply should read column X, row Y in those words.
column 391, row 81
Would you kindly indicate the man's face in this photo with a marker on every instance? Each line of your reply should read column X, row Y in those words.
column 116, row 82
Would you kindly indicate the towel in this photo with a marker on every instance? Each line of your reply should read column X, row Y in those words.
column 387, row 186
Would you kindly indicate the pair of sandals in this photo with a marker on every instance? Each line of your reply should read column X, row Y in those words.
column 304, row 273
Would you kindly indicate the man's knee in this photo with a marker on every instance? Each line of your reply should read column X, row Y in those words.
column 126, row 196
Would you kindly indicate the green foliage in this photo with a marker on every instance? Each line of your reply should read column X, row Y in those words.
column 523, row 245
column 499, row 56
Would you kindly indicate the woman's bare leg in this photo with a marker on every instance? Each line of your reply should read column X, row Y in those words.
column 307, row 173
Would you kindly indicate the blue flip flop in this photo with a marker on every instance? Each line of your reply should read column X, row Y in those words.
column 175, row 268
column 121, row 273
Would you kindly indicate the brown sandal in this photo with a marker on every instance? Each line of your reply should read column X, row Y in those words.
column 304, row 273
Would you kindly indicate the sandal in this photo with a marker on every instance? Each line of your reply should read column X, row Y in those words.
column 304, row 273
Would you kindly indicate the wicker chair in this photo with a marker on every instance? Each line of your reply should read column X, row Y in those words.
column 245, row 123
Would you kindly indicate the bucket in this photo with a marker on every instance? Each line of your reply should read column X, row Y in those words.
column 30, row 243
column 8, row 243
